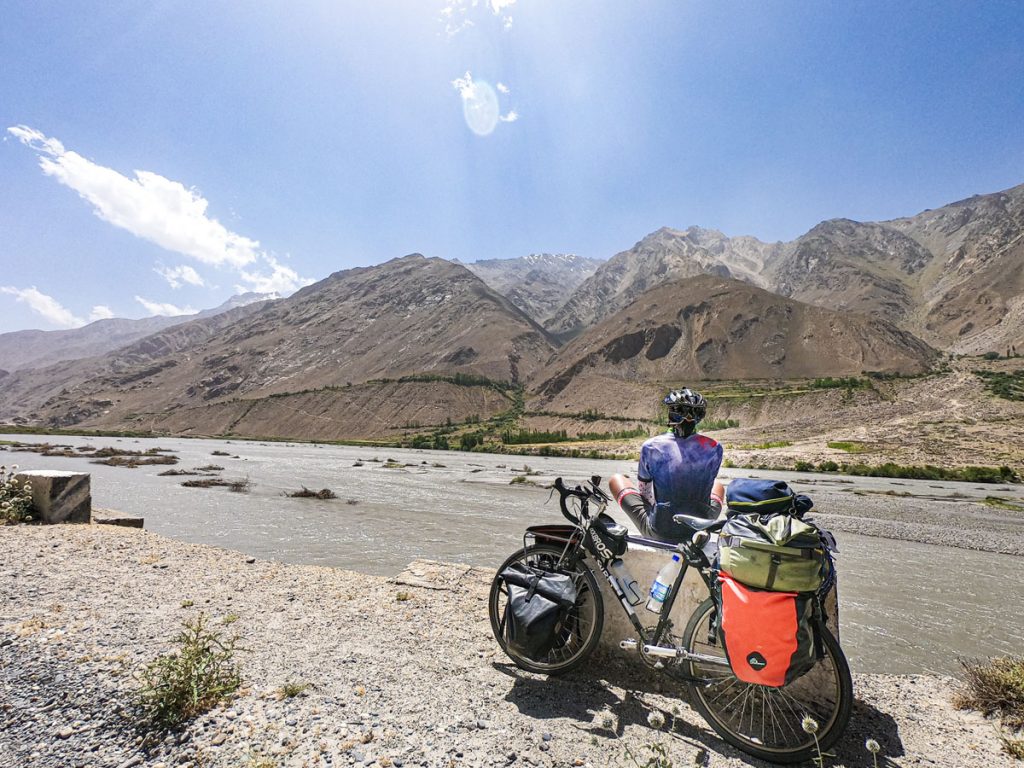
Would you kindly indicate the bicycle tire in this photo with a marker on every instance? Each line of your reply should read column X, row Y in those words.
column 828, row 684
column 571, row 652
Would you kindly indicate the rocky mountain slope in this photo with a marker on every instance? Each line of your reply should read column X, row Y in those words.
column 539, row 283
column 409, row 316
column 972, row 292
column 38, row 349
column 708, row 327
column 661, row 256
column 954, row 275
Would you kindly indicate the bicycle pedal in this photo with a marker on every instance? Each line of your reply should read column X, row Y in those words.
column 628, row 645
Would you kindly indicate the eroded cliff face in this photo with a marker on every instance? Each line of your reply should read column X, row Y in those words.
column 707, row 327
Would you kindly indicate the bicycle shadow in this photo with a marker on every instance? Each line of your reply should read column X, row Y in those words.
column 625, row 691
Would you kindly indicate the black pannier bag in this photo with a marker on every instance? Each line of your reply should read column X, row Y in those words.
column 537, row 609
column 606, row 538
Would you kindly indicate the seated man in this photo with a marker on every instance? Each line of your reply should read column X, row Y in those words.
column 677, row 473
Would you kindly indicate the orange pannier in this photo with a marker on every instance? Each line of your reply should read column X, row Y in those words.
column 768, row 636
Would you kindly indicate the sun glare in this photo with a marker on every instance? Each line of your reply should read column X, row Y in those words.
column 480, row 108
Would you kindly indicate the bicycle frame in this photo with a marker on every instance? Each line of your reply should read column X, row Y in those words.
column 651, row 642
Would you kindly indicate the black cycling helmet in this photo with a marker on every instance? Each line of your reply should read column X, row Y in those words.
column 685, row 410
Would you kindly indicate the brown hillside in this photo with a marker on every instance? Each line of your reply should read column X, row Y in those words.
column 409, row 316
column 708, row 327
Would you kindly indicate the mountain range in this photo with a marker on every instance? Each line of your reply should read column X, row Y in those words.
column 536, row 283
column 38, row 349
column 420, row 341
column 953, row 276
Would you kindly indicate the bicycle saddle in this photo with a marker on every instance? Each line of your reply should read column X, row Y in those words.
column 696, row 523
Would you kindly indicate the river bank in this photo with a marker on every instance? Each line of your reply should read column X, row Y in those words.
column 415, row 681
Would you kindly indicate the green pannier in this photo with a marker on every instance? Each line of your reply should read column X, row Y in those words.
column 775, row 552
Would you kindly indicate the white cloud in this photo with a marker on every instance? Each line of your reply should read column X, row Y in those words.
column 502, row 88
column 453, row 10
column 52, row 310
column 510, row 117
column 100, row 312
column 149, row 206
column 464, row 85
column 281, row 280
column 167, row 310
column 45, row 306
column 177, row 276
column 159, row 210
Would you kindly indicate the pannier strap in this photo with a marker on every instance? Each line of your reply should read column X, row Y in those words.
column 807, row 553
column 762, row 502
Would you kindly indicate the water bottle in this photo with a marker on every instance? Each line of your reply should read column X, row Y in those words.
column 663, row 583
column 629, row 586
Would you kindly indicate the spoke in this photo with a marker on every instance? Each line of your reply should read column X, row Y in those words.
column 732, row 682
column 764, row 702
column 771, row 712
column 797, row 716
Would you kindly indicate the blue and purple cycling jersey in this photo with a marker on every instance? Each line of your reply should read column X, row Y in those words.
column 683, row 470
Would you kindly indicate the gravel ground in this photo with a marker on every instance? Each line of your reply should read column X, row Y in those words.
column 413, row 682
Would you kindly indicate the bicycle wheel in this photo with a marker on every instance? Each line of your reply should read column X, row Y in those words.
column 760, row 720
column 582, row 627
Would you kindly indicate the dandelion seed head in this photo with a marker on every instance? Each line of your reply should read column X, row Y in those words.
column 809, row 724
column 656, row 720
column 872, row 746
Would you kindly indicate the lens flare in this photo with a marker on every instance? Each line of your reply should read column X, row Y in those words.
column 480, row 108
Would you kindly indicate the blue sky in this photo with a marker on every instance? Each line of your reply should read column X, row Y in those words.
column 277, row 142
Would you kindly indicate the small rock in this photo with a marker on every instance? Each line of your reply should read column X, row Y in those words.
column 250, row 560
column 65, row 733
column 546, row 736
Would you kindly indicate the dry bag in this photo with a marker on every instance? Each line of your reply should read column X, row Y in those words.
column 777, row 552
column 768, row 636
column 537, row 609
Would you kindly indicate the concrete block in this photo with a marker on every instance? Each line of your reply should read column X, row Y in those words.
column 644, row 563
column 59, row 497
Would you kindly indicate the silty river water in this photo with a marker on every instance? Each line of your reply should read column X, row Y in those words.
column 905, row 607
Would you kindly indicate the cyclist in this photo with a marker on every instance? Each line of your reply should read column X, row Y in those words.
column 677, row 473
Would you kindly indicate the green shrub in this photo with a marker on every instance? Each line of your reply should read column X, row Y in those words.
column 995, row 687
column 193, row 678
column 15, row 498
column 711, row 425
column 842, row 382
column 849, row 446
column 291, row 689
column 764, row 446
column 1008, row 385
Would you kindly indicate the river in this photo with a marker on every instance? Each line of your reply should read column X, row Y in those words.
column 905, row 607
